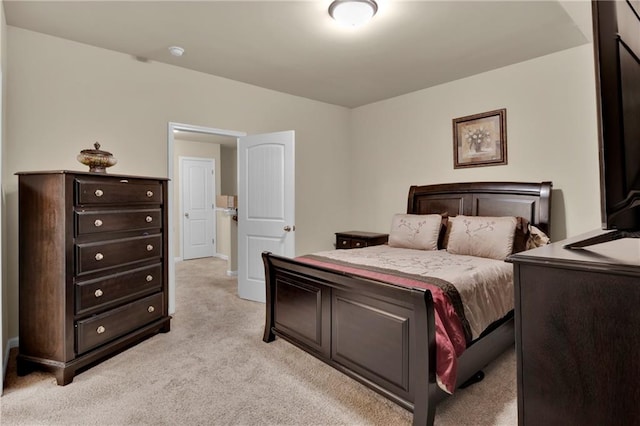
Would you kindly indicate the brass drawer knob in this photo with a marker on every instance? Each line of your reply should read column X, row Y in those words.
column 99, row 193
column 149, row 247
column 151, row 309
column 149, row 194
column 98, row 293
column 149, row 278
column 99, row 256
column 100, row 329
column 344, row 243
column 98, row 223
column 149, row 219
column 358, row 244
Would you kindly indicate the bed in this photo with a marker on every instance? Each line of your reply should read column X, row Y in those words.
column 384, row 334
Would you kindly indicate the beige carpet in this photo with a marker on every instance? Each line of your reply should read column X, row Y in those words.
column 214, row 369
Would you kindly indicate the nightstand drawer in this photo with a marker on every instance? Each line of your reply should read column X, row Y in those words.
column 358, row 239
column 343, row 242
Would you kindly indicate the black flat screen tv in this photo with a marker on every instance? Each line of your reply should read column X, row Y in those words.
column 616, row 41
column 616, row 26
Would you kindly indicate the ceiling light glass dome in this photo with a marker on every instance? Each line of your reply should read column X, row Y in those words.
column 353, row 13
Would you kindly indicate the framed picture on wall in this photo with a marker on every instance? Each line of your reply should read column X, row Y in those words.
column 480, row 139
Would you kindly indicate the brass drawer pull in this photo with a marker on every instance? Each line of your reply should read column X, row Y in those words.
column 149, row 278
column 149, row 247
column 358, row 244
column 99, row 256
column 100, row 329
column 149, row 219
column 344, row 243
column 98, row 293
column 149, row 194
column 98, row 223
column 99, row 193
column 151, row 309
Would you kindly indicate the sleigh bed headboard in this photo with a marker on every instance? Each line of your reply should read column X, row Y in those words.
column 531, row 201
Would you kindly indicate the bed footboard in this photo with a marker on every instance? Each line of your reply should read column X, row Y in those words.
column 379, row 334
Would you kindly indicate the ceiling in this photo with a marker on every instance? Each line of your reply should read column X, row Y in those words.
column 294, row 47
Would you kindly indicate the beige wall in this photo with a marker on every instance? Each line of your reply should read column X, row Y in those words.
column 63, row 96
column 4, row 320
column 183, row 148
column 353, row 167
column 551, row 135
column 229, row 170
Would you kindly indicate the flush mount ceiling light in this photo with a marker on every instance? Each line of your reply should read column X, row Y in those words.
column 176, row 51
column 353, row 13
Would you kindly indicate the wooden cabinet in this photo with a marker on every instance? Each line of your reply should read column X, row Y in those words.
column 358, row 239
column 577, row 333
column 93, row 267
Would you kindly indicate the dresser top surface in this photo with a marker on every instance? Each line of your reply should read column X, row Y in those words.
column 84, row 173
column 623, row 252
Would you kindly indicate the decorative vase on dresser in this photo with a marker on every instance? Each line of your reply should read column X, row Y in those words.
column 93, row 267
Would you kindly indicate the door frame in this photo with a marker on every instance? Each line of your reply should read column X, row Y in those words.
column 181, row 201
column 171, row 126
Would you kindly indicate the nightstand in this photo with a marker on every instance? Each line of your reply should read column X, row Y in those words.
column 358, row 239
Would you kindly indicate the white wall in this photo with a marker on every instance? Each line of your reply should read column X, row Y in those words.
column 63, row 96
column 551, row 135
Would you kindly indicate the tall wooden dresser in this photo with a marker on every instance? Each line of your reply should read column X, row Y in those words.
column 577, row 333
column 93, row 267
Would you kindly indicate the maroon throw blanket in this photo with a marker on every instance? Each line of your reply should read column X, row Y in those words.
column 452, row 329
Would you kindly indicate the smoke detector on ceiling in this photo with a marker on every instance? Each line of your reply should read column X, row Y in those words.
column 176, row 51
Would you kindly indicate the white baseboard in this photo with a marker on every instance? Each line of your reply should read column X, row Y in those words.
column 11, row 343
column 221, row 256
column 232, row 273
column 177, row 259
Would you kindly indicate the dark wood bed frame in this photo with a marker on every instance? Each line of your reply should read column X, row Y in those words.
column 383, row 335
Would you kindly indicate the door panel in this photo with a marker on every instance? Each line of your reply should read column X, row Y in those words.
column 198, row 211
column 266, row 210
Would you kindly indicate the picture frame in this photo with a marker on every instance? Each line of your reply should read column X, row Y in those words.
column 480, row 139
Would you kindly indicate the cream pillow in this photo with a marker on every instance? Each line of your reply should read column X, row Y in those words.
column 415, row 231
column 482, row 236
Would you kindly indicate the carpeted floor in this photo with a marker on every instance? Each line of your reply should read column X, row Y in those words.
column 214, row 369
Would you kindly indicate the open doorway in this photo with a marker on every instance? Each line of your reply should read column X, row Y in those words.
column 195, row 138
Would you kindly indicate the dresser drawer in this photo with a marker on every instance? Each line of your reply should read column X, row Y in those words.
column 100, row 192
column 107, row 254
column 93, row 222
column 99, row 329
column 116, row 289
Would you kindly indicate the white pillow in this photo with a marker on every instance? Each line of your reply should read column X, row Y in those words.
column 415, row 231
column 482, row 236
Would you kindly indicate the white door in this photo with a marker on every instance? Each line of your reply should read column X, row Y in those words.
column 198, row 213
column 266, row 206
